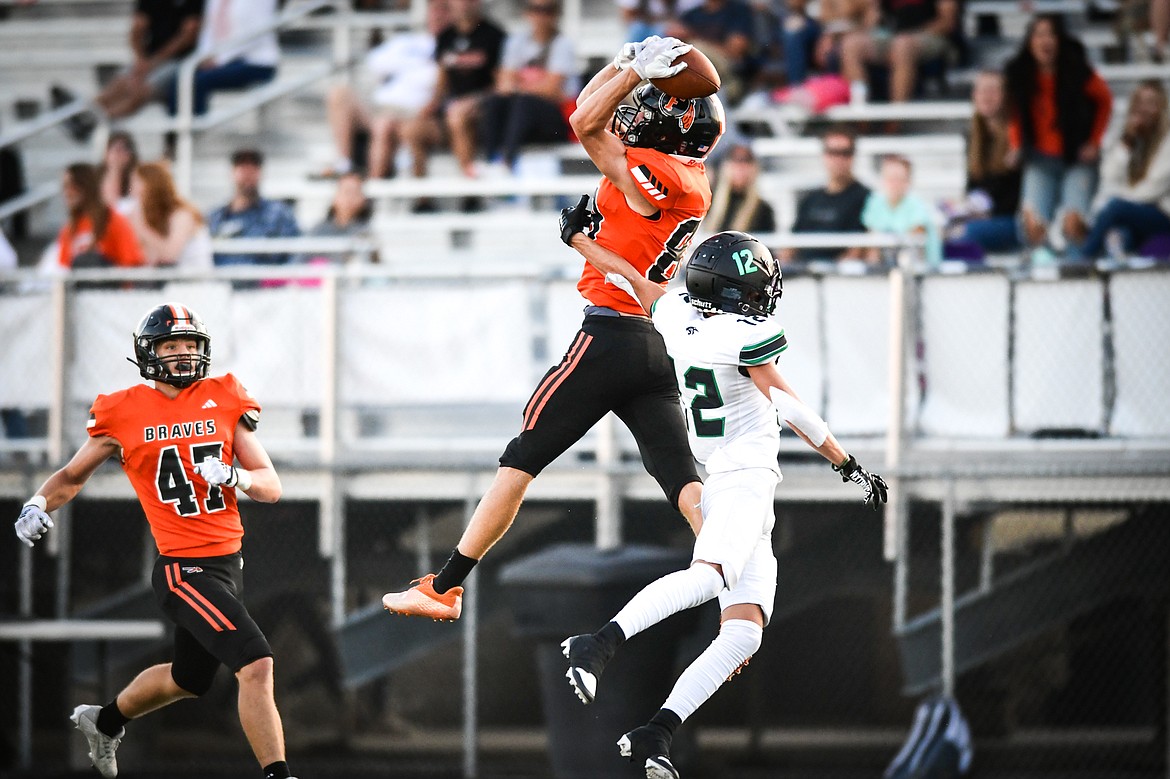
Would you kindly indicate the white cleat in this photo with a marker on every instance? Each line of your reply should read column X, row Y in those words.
column 101, row 746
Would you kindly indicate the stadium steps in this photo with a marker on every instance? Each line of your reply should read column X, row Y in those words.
column 1119, row 562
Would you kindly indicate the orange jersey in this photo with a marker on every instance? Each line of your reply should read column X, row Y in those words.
column 161, row 441
column 654, row 245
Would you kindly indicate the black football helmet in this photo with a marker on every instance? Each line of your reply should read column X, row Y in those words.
column 735, row 273
column 171, row 320
column 673, row 125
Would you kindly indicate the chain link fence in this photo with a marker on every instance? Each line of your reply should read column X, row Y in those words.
column 1024, row 567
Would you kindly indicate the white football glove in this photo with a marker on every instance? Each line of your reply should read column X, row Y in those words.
column 629, row 51
column 655, row 58
column 32, row 524
column 216, row 472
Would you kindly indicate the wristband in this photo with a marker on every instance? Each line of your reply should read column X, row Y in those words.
column 38, row 501
column 243, row 479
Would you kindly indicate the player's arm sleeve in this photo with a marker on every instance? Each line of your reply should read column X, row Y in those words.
column 248, row 405
column 765, row 347
column 659, row 183
column 102, row 418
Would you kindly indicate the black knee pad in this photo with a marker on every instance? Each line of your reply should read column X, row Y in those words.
column 192, row 678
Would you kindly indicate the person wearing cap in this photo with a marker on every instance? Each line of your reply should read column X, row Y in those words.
column 248, row 215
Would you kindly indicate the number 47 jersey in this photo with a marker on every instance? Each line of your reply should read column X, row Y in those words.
column 654, row 245
column 162, row 439
column 731, row 424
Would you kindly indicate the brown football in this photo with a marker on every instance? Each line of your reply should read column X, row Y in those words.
column 699, row 79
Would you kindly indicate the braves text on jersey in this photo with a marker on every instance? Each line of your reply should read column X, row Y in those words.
column 731, row 424
column 161, row 440
column 654, row 245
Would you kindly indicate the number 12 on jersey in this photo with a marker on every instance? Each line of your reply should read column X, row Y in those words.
column 175, row 488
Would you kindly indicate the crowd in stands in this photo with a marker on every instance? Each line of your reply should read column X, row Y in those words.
column 1045, row 177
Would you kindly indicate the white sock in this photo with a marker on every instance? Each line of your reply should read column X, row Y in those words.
column 669, row 595
column 738, row 640
column 342, row 166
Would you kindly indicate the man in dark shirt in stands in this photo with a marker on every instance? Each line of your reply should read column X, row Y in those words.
column 837, row 207
column 161, row 34
column 468, row 52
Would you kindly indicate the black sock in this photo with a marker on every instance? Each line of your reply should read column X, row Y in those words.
column 611, row 636
column 667, row 720
column 110, row 719
column 455, row 570
column 277, row 770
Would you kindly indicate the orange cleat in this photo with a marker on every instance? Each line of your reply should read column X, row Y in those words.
column 421, row 600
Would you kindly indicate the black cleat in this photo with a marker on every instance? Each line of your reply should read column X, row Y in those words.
column 649, row 746
column 587, row 657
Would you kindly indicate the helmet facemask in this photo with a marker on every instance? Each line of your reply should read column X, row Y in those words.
column 181, row 369
column 658, row 121
column 170, row 322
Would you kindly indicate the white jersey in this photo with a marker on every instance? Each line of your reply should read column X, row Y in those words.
column 731, row 424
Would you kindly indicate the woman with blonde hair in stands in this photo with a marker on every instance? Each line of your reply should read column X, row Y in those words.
column 1134, row 198
column 993, row 182
column 95, row 236
column 171, row 229
column 736, row 203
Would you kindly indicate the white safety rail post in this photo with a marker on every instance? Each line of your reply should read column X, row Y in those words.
column 24, row 647
column 470, row 620
column 184, row 123
column 947, row 601
column 608, row 528
column 332, row 520
column 895, row 545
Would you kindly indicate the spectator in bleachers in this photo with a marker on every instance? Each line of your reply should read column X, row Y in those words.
column 893, row 208
column 912, row 31
column 799, row 35
column 400, row 77
column 248, row 215
column 724, row 30
column 161, row 34
column 235, row 67
column 1059, row 111
column 348, row 216
column 170, row 229
column 644, row 18
column 95, row 235
column 116, row 169
column 468, row 52
column 993, row 183
column 736, row 203
column 836, row 207
column 537, row 75
column 1134, row 199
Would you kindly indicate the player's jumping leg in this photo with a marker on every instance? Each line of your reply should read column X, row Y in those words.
column 440, row 596
column 739, row 637
column 589, row 653
column 259, row 717
column 104, row 726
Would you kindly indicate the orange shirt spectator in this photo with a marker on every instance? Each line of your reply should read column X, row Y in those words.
column 1046, row 123
column 93, row 227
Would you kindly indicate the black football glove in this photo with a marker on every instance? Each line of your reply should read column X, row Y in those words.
column 874, row 485
column 575, row 219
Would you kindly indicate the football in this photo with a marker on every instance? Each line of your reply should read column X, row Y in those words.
column 700, row 78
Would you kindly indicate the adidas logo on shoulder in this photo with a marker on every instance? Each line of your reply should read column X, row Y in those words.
column 210, row 404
